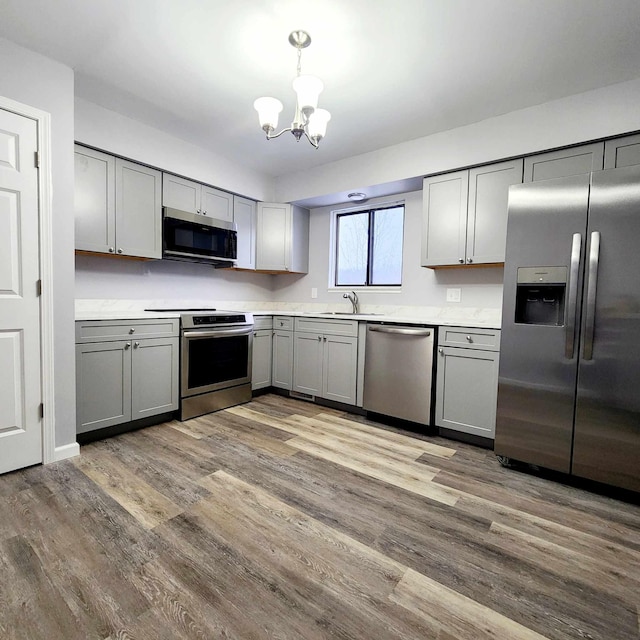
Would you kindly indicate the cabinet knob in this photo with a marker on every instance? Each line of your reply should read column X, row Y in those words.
column 111, row 249
column 441, row 351
column 324, row 339
column 319, row 338
column 132, row 330
column 136, row 345
column 461, row 260
column 127, row 346
column 469, row 260
column 119, row 250
column 469, row 339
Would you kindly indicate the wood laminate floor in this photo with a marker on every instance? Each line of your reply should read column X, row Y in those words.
column 286, row 520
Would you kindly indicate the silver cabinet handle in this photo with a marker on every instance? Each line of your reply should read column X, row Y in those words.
column 592, row 285
column 400, row 331
column 469, row 339
column 132, row 330
column 111, row 249
column 324, row 338
column 319, row 338
column 136, row 345
column 127, row 346
column 469, row 260
column 461, row 260
column 572, row 306
column 441, row 351
column 119, row 250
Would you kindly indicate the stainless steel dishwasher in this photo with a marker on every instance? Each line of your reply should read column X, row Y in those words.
column 398, row 369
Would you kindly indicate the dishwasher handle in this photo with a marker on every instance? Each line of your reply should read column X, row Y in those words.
column 400, row 330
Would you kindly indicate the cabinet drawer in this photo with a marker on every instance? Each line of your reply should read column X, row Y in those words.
column 262, row 322
column 487, row 339
column 328, row 326
column 283, row 323
column 107, row 330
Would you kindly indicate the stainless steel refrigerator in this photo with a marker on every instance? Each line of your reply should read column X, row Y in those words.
column 569, row 381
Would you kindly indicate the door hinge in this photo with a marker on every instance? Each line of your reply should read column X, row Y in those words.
column 37, row 159
column 41, row 410
column 38, row 287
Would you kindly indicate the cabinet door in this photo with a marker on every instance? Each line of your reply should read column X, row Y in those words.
column 216, row 204
column 103, row 384
column 565, row 162
column 339, row 368
column 94, row 201
column 487, row 210
column 154, row 386
column 273, row 236
column 622, row 152
column 307, row 363
column 244, row 215
column 138, row 210
column 261, row 363
column 467, row 390
column 444, row 223
column 282, row 369
column 179, row 193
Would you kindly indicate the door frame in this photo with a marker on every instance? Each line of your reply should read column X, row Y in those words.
column 45, row 227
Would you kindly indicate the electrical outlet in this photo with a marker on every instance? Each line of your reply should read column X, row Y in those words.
column 453, row 295
column 314, row 292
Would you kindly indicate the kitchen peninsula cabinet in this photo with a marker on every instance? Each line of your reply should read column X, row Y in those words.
column 465, row 215
column 326, row 358
column 564, row 162
column 194, row 197
column 125, row 370
column 282, row 238
column 467, row 380
column 261, row 362
column 622, row 152
column 118, row 207
column 282, row 353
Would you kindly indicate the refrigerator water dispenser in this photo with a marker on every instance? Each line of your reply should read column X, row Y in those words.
column 540, row 295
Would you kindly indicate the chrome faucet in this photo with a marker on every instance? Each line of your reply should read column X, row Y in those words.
column 353, row 299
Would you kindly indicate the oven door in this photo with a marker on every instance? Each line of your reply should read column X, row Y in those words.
column 215, row 359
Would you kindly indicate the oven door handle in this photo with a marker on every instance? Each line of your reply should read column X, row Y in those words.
column 219, row 333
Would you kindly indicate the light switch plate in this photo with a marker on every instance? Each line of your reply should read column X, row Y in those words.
column 314, row 292
column 453, row 295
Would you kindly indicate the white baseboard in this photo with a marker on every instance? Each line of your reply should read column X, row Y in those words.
column 66, row 451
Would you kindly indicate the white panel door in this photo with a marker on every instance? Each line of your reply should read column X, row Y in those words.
column 216, row 204
column 20, row 395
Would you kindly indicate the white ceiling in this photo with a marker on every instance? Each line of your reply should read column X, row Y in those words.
column 393, row 70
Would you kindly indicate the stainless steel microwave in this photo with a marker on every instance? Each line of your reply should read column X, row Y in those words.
column 194, row 237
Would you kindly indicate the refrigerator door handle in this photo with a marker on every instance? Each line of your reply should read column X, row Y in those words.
column 592, row 284
column 572, row 306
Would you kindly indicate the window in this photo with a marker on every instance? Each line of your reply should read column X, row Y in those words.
column 368, row 250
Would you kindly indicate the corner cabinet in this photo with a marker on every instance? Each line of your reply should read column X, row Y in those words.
column 465, row 215
column 325, row 360
column 118, row 207
column 282, row 238
column 467, row 380
column 195, row 197
column 125, row 371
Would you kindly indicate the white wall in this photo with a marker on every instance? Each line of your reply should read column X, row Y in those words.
column 115, row 278
column 112, row 132
column 481, row 288
column 609, row 111
column 39, row 82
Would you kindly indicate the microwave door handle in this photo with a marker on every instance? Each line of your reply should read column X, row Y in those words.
column 572, row 306
column 592, row 286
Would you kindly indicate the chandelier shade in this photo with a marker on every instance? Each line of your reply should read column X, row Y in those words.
column 308, row 120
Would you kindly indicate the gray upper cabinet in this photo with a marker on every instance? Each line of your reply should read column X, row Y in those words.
column 564, row 162
column 94, row 198
column 622, row 152
column 244, row 215
column 138, row 210
column 194, row 197
column 117, row 205
column 465, row 215
column 282, row 238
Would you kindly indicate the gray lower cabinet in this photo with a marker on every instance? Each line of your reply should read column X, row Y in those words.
column 467, row 380
column 282, row 353
column 325, row 360
column 564, row 162
column 261, row 361
column 122, row 375
column 118, row 208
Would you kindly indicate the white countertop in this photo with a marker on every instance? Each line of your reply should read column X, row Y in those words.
column 127, row 311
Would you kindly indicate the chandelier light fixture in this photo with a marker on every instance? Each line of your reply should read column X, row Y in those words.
column 308, row 119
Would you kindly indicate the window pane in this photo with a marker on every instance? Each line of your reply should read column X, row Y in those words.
column 386, row 265
column 353, row 240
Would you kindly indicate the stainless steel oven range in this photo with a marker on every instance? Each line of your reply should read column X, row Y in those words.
column 215, row 360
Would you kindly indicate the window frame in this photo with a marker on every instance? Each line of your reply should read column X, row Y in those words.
column 335, row 240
